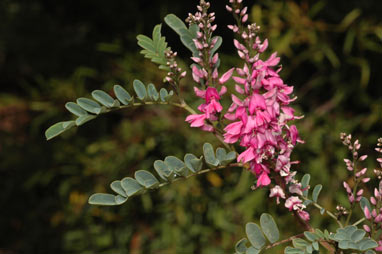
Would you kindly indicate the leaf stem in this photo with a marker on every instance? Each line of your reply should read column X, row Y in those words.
column 359, row 221
column 283, row 241
column 327, row 211
column 202, row 172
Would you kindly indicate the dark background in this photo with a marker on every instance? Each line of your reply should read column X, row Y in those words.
column 52, row 52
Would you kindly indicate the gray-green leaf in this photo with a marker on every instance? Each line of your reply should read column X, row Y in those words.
column 305, row 183
column 146, row 179
column 131, row 186
column 58, row 128
column 269, row 227
column 140, row 89
column 193, row 163
column 84, row 119
column 316, row 192
column 241, row 247
column 89, row 105
column 209, row 155
column 163, row 170
column 152, row 92
column 103, row 98
column 102, row 199
column 122, row 95
column 75, row 109
column 117, row 187
column 254, row 235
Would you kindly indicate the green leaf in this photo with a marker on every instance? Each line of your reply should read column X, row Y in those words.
column 152, row 92
column 344, row 244
column 290, row 250
column 119, row 200
column 163, row 170
column 349, row 230
column 146, row 179
column 269, row 227
column 254, row 235
column 122, row 95
column 75, row 109
column 131, row 186
column 146, row 43
column 240, row 246
column 316, row 245
column 140, row 89
column 193, row 163
column 221, row 155
column 84, row 119
column 105, row 99
column 89, row 105
column 299, row 243
column 209, row 155
column 365, row 202
column 186, row 36
column 307, row 202
column 58, row 128
column 176, row 165
column 117, row 187
column 154, row 48
column 230, row 156
column 368, row 243
column 358, row 235
column 163, row 94
column 102, row 199
column 319, row 233
column 217, row 45
column 311, row 236
column 316, row 192
column 305, row 183
column 252, row 250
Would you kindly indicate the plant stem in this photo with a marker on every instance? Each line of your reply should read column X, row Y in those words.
column 202, row 172
column 283, row 241
column 328, row 212
column 359, row 221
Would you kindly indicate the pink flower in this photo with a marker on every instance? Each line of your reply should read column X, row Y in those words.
column 293, row 203
column 226, row 76
column 277, row 192
column 263, row 180
column 367, row 213
column 303, row 215
column 196, row 120
column 246, row 156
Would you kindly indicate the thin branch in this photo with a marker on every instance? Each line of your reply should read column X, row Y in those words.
column 202, row 172
column 359, row 221
column 283, row 241
column 327, row 211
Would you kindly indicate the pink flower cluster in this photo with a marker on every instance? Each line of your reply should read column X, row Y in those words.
column 359, row 176
column 205, row 70
column 260, row 117
column 374, row 215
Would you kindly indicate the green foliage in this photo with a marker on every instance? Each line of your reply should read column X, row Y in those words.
column 186, row 35
column 302, row 246
column 169, row 170
column 316, row 192
column 353, row 238
column 258, row 236
column 155, row 48
column 348, row 238
column 86, row 109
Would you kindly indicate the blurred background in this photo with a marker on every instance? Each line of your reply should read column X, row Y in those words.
column 52, row 52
